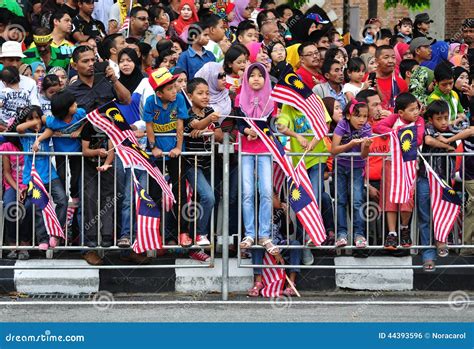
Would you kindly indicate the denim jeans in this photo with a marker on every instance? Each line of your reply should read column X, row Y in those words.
column 206, row 197
column 355, row 190
column 128, row 199
column 424, row 213
column 292, row 256
column 265, row 194
column 60, row 200
column 11, row 215
column 316, row 176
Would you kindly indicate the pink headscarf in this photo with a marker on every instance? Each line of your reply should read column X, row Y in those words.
column 400, row 49
column 254, row 49
column 239, row 9
column 252, row 102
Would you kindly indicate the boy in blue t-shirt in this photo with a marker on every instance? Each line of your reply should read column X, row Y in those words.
column 30, row 122
column 164, row 112
column 66, row 118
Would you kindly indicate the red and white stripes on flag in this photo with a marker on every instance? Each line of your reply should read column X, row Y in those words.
column 310, row 216
column 116, row 135
column 274, row 147
column 273, row 278
column 51, row 222
column 312, row 107
column 125, row 25
column 278, row 178
column 402, row 173
column 443, row 204
column 148, row 222
column 133, row 157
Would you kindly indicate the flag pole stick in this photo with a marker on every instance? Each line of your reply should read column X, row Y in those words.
column 292, row 285
column 34, row 153
column 383, row 134
column 302, row 158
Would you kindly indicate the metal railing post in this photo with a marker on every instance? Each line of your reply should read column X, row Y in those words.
column 225, row 219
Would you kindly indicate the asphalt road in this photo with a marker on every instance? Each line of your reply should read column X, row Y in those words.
column 361, row 307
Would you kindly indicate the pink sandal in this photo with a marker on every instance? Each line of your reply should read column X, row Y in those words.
column 288, row 291
column 255, row 290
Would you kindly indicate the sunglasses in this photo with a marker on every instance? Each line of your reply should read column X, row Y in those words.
column 221, row 75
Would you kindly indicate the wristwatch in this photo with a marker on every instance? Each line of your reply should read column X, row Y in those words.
column 152, row 145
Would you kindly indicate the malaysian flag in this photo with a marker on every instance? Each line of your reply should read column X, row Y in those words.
column 274, row 146
column 273, row 278
column 292, row 91
column 278, row 178
column 148, row 222
column 40, row 197
column 403, row 170
column 303, row 202
column 132, row 155
column 445, row 204
column 125, row 25
column 110, row 120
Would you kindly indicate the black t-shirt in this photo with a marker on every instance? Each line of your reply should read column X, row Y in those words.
column 97, row 138
column 71, row 11
column 88, row 98
column 200, row 144
column 92, row 28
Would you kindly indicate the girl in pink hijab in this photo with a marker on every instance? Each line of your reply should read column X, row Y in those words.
column 242, row 12
column 258, row 53
column 255, row 102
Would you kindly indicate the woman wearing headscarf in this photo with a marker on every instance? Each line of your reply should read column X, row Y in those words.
column 61, row 73
column 301, row 30
column 400, row 49
column 462, row 86
column 38, row 70
column 439, row 53
column 258, row 53
column 242, row 12
column 130, row 69
column 187, row 16
column 214, row 74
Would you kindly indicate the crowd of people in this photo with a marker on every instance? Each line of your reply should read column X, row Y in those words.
column 193, row 68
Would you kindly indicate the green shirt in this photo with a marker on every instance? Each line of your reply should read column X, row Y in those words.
column 296, row 121
column 455, row 106
column 58, row 58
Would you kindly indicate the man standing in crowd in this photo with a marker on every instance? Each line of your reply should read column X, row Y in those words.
column 43, row 51
column 86, row 27
column 389, row 84
column 93, row 90
column 310, row 62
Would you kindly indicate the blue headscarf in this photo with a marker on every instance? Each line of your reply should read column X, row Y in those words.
column 35, row 66
column 440, row 51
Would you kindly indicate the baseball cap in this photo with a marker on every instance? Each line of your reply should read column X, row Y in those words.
column 317, row 18
column 420, row 41
column 160, row 77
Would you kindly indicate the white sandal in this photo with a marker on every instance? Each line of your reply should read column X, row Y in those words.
column 269, row 246
column 247, row 242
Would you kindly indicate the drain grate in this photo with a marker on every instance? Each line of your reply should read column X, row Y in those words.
column 62, row 296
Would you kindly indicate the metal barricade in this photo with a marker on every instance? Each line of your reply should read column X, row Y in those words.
column 190, row 214
column 374, row 217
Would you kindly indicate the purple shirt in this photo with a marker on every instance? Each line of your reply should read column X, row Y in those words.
column 348, row 133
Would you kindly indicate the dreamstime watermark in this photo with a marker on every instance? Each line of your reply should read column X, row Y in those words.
column 370, row 211
column 459, row 300
column 47, row 336
column 356, row 313
column 15, row 211
column 194, row 32
column 282, row 302
column 192, row 211
column 109, row 205
column 103, row 300
column 14, row 32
